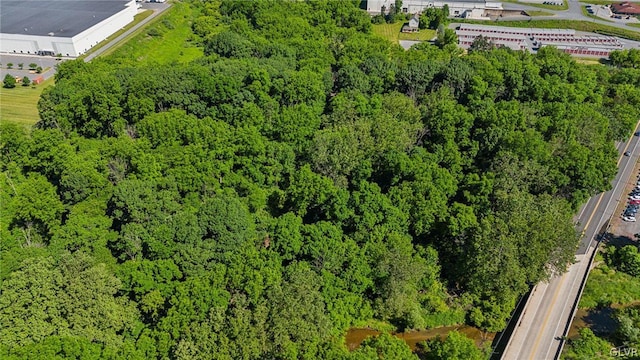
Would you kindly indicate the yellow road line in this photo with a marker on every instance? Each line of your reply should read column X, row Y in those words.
column 546, row 318
column 556, row 293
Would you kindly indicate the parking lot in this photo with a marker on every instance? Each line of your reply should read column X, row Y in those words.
column 628, row 228
column 604, row 12
column 47, row 63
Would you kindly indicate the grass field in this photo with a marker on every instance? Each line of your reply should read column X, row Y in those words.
column 392, row 33
column 607, row 286
column 539, row 13
column 564, row 5
column 586, row 13
column 19, row 105
column 565, row 24
column 634, row 25
column 136, row 19
column 166, row 39
column 588, row 61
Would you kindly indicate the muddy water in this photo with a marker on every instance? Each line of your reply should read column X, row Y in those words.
column 355, row 336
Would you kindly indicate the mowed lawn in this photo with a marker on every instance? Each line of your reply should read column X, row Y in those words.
column 19, row 105
column 392, row 33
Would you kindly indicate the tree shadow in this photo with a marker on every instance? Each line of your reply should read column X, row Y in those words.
column 620, row 241
column 601, row 321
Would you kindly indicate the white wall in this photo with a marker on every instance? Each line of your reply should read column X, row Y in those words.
column 102, row 30
column 30, row 44
column 76, row 46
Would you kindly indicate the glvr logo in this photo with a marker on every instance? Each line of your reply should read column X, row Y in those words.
column 623, row 351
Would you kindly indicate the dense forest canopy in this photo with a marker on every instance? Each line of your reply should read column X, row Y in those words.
column 302, row 177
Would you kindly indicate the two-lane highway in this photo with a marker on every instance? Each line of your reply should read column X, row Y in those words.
column 540, row 329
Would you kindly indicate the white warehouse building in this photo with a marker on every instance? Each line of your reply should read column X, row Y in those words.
column 456, row 8
column 66, row 27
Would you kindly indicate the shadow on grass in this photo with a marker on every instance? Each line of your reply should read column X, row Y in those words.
column 620, row 241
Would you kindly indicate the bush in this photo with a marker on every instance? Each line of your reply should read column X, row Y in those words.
column 9, row 82
column 378, row 19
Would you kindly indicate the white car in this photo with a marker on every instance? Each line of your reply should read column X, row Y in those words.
column 629, row 218
column 634, row 197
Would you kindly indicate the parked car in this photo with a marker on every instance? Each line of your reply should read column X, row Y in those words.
column 629, row 218
column 634, row 197
column 634, row 202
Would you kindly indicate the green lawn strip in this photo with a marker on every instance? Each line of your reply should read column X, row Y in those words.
column 605, row 2
column 538, row 13
column 20, row 104
column 634, row 25
column 388, row 31
column 166, row 39
column 422, row 35
column 564, row 24
column 564, row 5
column 136, row 20
column 586, row 13
column 392, row 32
column 607, row 286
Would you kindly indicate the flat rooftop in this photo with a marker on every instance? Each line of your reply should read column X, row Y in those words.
column 61, row 18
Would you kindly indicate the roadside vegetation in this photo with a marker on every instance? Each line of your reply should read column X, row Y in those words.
column 290, row 176
column 533, row 13
column 593, row 16
column 613, row 284
column 136, row 20
column 564, row 5
column 167, row 39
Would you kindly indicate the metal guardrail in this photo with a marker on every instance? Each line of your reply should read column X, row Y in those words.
column 514, row 321
column 583, row 283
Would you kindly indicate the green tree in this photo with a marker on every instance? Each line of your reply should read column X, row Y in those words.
column 9, row 82
column 37, row 210
column 627, row 259
column 445, row 36
column 26, row 81
column 32, row 66
column 383, row 346
column 588, row 346
column 71, row 297
column 455, row 347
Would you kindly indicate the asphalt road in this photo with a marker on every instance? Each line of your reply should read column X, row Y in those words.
column 574, row 12
column 549, row 308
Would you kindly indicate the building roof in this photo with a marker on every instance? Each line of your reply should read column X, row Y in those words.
column 517, row 31
column 625, row 8
column 61, row 18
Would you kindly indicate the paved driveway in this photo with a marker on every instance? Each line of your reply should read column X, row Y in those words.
column 45, row 62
